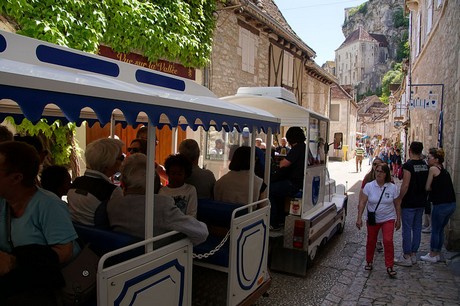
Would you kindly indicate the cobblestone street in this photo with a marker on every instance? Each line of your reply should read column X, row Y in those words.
column 337, row 276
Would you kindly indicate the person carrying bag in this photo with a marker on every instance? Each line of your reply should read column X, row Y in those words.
column 371, row 214
column 381, row 194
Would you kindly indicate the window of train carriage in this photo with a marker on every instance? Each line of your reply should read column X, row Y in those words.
column 317, row 142
column 219, row 144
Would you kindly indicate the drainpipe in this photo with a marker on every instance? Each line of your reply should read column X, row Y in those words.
column 348, row 121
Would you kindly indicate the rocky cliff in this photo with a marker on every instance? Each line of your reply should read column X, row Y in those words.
column 380, row 17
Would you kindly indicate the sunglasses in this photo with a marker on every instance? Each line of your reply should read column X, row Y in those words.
column 134, row 150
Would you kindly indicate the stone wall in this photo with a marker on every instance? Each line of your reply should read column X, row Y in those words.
column 438, row 63
column 226, row 74
column 315, row 95
column 345, row 125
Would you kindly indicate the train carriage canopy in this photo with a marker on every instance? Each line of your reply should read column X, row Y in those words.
column 47, row 80
column 279, row 102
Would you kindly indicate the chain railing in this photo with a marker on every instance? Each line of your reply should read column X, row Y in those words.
column 216, row 249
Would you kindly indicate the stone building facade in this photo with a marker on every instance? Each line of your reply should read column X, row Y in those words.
column 373, row 118
column 254, row 46
column 343, row 116
column 434, row 75
column 361, row 59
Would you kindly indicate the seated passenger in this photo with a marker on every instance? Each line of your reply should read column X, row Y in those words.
column 103, row 159
column 35, row 142
column 283, row 148
column 260, row 154
column 142, row 134
column 36, row 235
column 218, row 148
column 202, row 179
column 139, row 145
column 127, row 214
column 178, row 169
column 56, row 179
column 233, row 187
column 321, row 151
column 5, row 134
column 288, row 179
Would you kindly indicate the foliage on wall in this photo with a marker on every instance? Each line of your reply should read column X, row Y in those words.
column 394, row 76
column 56, row 137
column 178, row 30
column 399, row 20
column 362, row 9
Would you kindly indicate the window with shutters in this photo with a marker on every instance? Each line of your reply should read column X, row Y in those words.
column 288, row 69
column 335, row 112
column 248, row 46
column 429, row 16
column 418, row 38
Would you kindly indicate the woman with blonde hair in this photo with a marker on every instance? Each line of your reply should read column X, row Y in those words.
column 442, row 196
column 103, row 159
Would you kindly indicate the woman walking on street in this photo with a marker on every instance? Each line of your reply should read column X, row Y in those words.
column 369, row 177
column 442, row 195
column 379, row 197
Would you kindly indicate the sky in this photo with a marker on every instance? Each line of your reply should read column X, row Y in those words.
column 318, row 23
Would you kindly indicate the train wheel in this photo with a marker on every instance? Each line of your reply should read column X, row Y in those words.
column 340, row 227
column 312, row 254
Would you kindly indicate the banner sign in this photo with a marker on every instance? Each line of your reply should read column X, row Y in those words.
column 430, row 104
column 140, row 60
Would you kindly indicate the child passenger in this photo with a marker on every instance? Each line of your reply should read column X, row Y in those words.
column 56, row 179
column 178, row 168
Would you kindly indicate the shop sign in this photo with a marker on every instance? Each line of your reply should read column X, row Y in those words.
column 140, row 60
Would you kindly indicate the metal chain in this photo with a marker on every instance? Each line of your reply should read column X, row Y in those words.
column 217, row 248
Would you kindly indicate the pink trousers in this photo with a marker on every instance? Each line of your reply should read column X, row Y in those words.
column 388, row 228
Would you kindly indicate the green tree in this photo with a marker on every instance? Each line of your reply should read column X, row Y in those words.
column 403, row 49
column 399, row 20
column 394, row 76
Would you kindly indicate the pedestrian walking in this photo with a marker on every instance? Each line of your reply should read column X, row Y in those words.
column 442, row 196
column 359, row 155
column 391, row 158
column 397, row 163
column 412, row 199
column 369, row 177
column 383, row 213
column 371, row 154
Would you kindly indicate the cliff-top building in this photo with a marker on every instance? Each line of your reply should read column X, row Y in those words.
column 358, row 58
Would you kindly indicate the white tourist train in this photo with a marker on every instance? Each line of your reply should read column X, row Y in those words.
column 43, row 80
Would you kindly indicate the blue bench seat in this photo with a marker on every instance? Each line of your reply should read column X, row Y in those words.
column 217, row 215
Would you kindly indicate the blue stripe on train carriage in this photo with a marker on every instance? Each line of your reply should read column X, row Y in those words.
column 315, row 184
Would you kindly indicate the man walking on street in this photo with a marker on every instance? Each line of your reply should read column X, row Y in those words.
column 359, row 155
column 412, row 199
